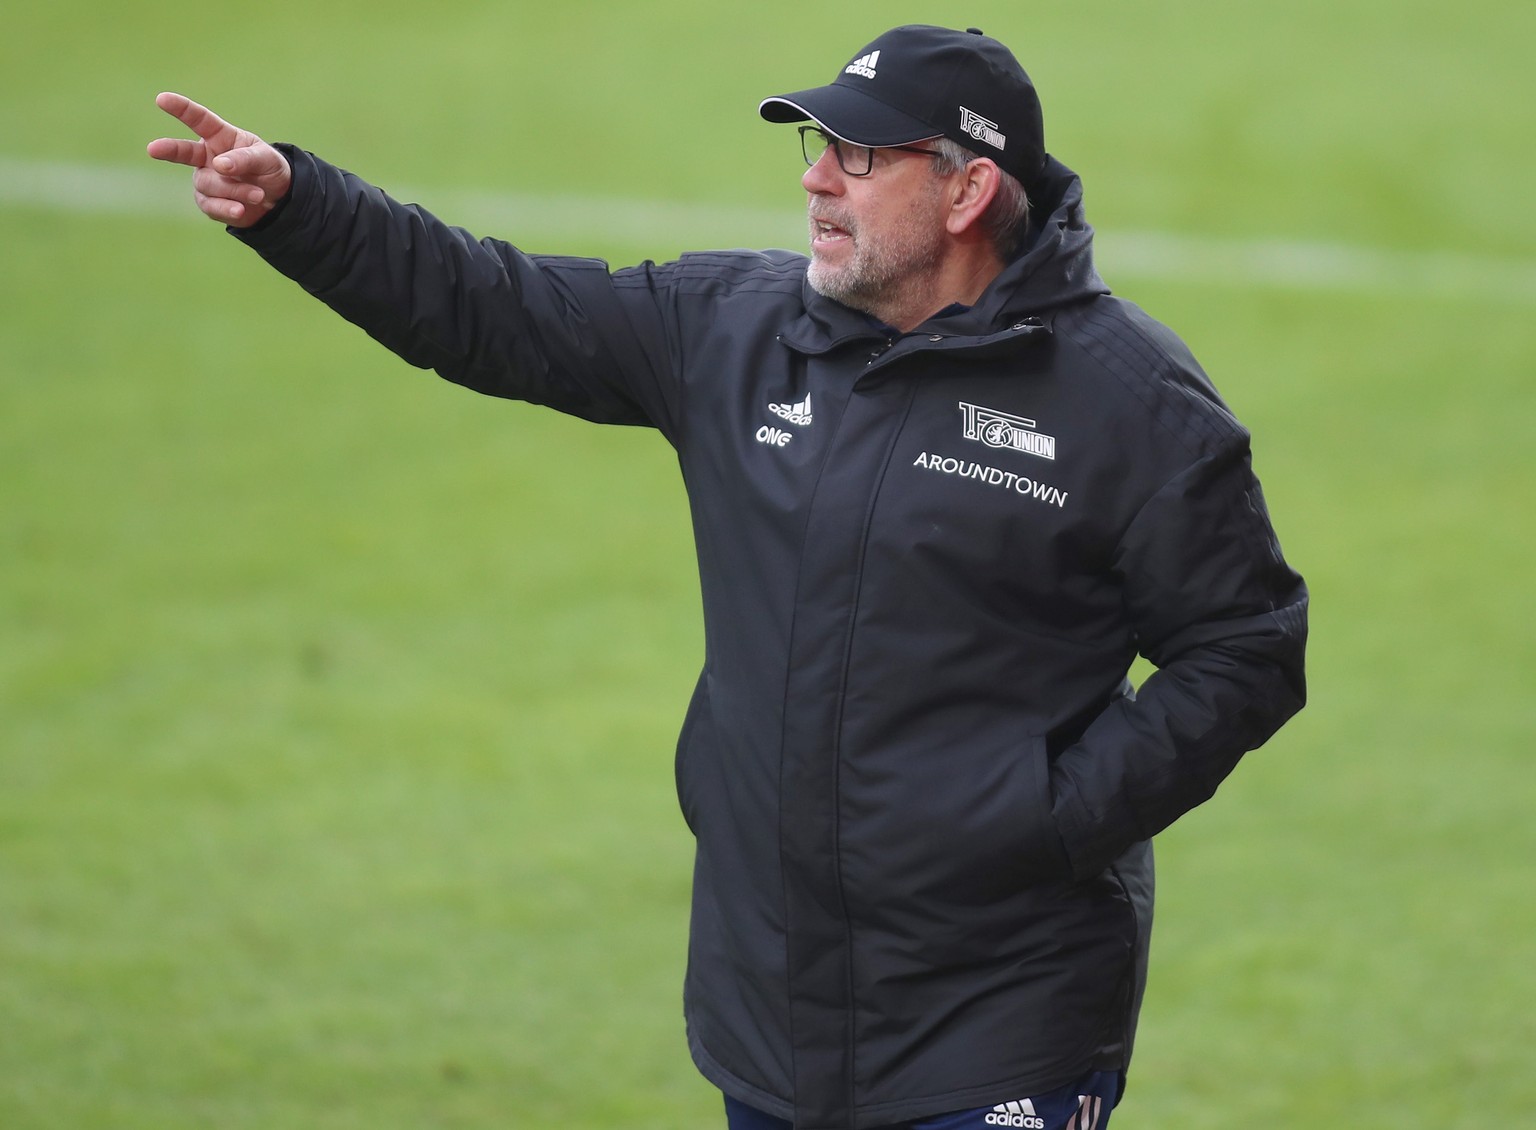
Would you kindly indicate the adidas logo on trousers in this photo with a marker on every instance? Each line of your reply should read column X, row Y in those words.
column 1016, row 1113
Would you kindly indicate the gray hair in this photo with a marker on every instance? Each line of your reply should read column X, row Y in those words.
column 1007, row 217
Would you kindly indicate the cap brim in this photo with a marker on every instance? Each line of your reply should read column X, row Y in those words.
column 849, row 114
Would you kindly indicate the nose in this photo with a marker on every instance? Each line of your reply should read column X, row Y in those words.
column 825, row 176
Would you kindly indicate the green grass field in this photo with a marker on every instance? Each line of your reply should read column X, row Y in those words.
column 337, row 704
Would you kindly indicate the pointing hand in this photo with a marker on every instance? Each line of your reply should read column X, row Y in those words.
column 239, row 178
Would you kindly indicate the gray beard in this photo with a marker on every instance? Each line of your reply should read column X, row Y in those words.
column 886, row 276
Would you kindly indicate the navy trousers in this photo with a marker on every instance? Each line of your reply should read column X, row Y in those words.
column 1084, row 1105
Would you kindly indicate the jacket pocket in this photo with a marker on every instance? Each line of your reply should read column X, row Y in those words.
column 1043, row 851
column 951, row 829
column 1014, row 840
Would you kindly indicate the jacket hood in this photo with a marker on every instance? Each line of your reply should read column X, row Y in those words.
column 1053, row 267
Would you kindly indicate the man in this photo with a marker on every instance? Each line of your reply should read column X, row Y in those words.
column 944, row 488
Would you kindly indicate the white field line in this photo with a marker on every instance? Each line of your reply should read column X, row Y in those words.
column 544, row 223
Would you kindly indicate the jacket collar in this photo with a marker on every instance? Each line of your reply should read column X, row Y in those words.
column 1054, row 267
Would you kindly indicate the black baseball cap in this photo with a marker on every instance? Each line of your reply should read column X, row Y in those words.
column 917, row 82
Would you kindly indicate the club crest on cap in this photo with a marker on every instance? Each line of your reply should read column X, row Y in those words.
column 981, row 129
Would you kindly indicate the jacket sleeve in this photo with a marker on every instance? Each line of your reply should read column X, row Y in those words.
column 1221, row 615
column 545, row 329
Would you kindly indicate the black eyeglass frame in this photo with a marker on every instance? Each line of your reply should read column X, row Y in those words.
column 824, row 141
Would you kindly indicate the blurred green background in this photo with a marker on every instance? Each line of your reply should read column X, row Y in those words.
column 337, row 704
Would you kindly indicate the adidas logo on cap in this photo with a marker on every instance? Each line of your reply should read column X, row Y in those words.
column 864, row 65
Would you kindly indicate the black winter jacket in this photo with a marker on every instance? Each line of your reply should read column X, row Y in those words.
column 921, row 786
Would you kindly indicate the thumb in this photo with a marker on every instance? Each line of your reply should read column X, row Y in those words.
column 256, row 163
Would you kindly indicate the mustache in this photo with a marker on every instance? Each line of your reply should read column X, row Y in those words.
column 834, row 216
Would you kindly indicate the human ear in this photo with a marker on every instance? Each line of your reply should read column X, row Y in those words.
column 976, row 187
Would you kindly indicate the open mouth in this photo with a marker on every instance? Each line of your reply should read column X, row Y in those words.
column 825, row 232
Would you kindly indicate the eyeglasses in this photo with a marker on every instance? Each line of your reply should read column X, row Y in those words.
column 855, row 160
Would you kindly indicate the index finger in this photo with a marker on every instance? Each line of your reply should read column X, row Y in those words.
column 199, row 119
